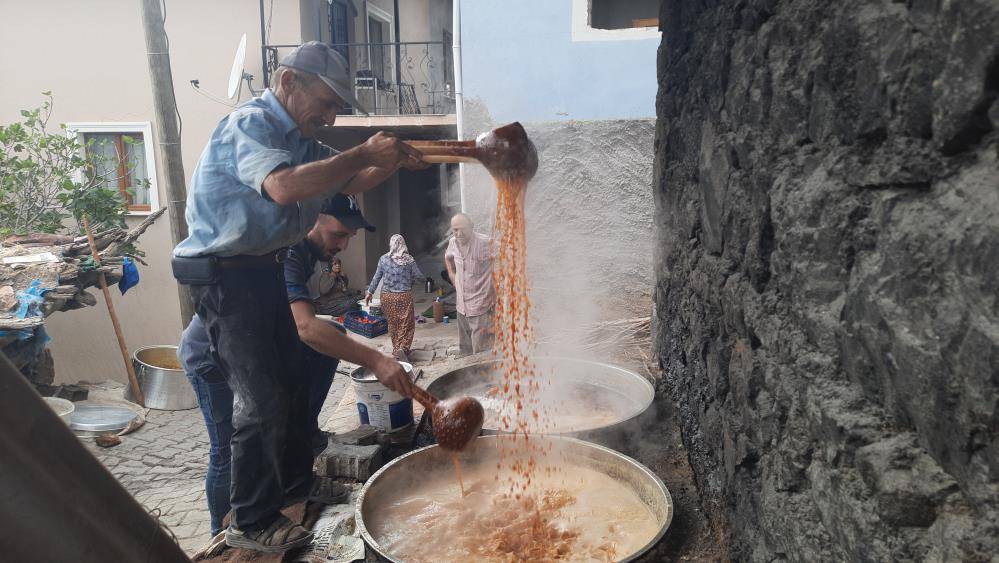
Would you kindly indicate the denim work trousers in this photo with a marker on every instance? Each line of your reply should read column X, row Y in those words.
column 253, row 333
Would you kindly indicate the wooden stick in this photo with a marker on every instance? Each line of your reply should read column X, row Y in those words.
column 132, row 380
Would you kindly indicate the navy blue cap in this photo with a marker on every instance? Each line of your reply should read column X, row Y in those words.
column 346, row 210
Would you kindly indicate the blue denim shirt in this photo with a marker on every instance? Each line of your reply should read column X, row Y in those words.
column 228, row 213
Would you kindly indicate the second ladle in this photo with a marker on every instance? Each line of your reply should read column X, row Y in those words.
column 506, row 152
column 457, row 421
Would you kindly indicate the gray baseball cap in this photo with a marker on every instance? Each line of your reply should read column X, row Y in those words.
column 322, row 60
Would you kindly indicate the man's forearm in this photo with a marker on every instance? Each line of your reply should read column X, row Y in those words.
column 314, row 179
column 367, row 179
column 327, row 340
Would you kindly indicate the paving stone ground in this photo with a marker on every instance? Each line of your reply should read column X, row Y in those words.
column 163, row 464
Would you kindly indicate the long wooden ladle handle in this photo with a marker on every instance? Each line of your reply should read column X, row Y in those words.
column 438, row 152
column 426, row 399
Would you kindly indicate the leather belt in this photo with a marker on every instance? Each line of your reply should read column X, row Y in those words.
column 269, row 260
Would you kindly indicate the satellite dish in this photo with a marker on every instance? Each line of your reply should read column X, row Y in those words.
column 236, row 75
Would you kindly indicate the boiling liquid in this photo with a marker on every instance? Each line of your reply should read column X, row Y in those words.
column 577, row 515
column 559, row 419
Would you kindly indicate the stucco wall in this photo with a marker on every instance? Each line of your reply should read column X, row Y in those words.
column 93, row 59
column 588, row 108
column 519, row 59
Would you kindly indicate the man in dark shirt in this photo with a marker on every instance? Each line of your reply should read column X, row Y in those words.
column 321, row 345
column 339, row 220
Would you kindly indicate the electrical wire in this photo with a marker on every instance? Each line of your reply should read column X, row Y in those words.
column 211, row 97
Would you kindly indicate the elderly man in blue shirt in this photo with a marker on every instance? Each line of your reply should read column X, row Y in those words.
column 323, row 344
column 258, row 189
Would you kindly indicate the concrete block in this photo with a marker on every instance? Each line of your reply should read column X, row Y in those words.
column 422, row 355
column 363, row 435
column 354, row 462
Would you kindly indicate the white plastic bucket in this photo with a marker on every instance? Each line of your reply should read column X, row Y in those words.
column 380, row 406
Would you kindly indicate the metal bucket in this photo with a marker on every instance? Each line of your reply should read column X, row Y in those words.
column 382, row 489
column 380, row 406
column 590, row 400
column 162, row 380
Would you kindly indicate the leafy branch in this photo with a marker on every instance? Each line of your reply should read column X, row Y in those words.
column 49, row 181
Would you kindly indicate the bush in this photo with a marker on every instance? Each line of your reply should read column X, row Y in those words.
column 48, row 178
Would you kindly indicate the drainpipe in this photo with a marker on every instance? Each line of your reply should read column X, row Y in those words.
column 459, row 99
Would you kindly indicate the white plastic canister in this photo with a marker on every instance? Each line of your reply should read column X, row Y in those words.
column 380, row 406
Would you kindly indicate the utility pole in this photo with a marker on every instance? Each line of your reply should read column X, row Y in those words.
column 167, row 133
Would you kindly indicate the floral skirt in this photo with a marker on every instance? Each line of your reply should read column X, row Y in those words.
column 398, row 309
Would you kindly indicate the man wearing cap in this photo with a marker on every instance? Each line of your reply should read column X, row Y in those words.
column 339, row 220
column 258, row 189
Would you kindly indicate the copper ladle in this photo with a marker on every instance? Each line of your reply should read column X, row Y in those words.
column 457, row 421
column 506, row 152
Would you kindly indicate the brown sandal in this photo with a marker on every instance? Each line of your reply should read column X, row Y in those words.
column 281, row 535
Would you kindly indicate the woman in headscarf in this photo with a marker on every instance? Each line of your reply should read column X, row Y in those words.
column 397, row 271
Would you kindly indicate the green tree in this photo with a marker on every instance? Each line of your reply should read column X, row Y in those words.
column 48, row 178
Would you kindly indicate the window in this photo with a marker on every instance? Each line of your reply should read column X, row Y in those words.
column 124, row 159
column 380, row 33
column 624, row 14
column 338, row 28
column 615, row 20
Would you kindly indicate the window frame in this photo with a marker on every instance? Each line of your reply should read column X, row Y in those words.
column 79, row 128
column 374, row 12
column 583, row 31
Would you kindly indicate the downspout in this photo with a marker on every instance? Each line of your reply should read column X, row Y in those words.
column 459, row 99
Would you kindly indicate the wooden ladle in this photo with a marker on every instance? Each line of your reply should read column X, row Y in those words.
column 506, row 152
column 457, row 421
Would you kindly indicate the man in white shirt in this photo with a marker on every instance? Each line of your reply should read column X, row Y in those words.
column 469, row 261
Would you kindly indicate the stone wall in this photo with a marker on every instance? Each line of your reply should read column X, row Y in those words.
column 828, row 271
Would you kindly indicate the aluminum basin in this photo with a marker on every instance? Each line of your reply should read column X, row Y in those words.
column 385, row 486
column 590, row 400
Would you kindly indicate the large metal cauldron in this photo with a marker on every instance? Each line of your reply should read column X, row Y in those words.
column 389, row 484
column 163, row 383
column 589, row 400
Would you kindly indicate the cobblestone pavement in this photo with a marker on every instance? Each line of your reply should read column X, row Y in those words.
column 163, row 465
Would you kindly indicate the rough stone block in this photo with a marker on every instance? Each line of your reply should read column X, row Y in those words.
column 72, row 393
column 353, row 462
column 422, row 355
column 908, row 483
column 363, row 435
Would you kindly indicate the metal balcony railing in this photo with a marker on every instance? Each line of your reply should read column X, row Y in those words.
column 402, row 78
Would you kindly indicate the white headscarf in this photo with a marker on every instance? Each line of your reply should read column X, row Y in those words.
column 398, row 251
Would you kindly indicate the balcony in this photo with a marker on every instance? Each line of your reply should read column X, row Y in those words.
column 391, row 79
